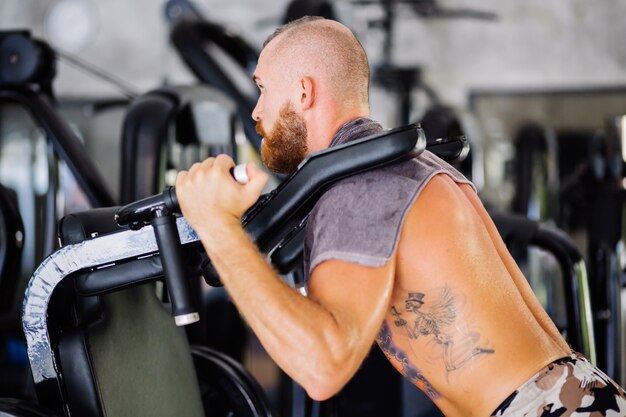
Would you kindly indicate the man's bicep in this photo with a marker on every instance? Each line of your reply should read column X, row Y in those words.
column 357, row 296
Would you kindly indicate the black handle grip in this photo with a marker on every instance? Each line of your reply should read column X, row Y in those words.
column 138, row 214
column 168, row 241
column 170, row 200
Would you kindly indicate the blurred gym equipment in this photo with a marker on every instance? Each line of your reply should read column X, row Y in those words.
column 575, row 180
column 43, row 161
column 193, row 36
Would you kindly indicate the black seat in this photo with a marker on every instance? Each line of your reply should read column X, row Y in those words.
column 122, row 351
column 148, row 351
column 122, row 355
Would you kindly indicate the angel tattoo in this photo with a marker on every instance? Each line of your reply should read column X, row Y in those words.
column 434, row 322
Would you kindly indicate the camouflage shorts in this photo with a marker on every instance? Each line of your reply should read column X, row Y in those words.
column 570, row 386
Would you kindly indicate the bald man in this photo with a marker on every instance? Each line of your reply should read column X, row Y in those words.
column 440, row 295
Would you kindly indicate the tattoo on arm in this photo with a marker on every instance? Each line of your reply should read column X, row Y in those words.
column 436, row 319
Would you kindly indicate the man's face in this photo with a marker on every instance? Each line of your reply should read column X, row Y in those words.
column 285, row 145
column 283, row 130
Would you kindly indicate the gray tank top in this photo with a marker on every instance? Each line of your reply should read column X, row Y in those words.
column 359, row 218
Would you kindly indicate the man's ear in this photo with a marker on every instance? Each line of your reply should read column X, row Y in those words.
column 306, row 88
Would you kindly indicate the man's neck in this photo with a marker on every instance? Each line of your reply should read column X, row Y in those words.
column 357, row 128
column 322, row 127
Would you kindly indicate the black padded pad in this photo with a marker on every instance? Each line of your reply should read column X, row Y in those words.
column 127, row 274
column 77, row 227
column 131, row 361
column 128, row 354
column 130, row 274
column 271, row 219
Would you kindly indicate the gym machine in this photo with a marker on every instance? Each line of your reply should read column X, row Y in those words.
column 575, row 180
column 27, row 70
column 191, row 34
column 522, row 232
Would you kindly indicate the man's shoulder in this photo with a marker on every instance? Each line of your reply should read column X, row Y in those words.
column 363, row 208
column 362, row 192
column 359, row 219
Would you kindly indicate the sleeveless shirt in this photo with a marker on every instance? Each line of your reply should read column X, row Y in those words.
column 359, row 218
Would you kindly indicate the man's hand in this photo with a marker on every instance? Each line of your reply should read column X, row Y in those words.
column 210, row 198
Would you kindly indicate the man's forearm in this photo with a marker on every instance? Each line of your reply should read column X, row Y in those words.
column 299, row 334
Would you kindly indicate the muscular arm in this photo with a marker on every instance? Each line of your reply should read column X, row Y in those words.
column 319, row 341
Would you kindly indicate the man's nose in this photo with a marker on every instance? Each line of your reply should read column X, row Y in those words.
column 256, row 112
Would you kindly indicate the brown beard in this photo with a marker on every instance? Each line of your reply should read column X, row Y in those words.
column 285, row 146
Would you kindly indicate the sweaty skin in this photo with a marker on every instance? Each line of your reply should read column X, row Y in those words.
column 496, row 309
column 451, row 310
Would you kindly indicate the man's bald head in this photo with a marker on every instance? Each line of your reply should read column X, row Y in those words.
column 323, row 49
